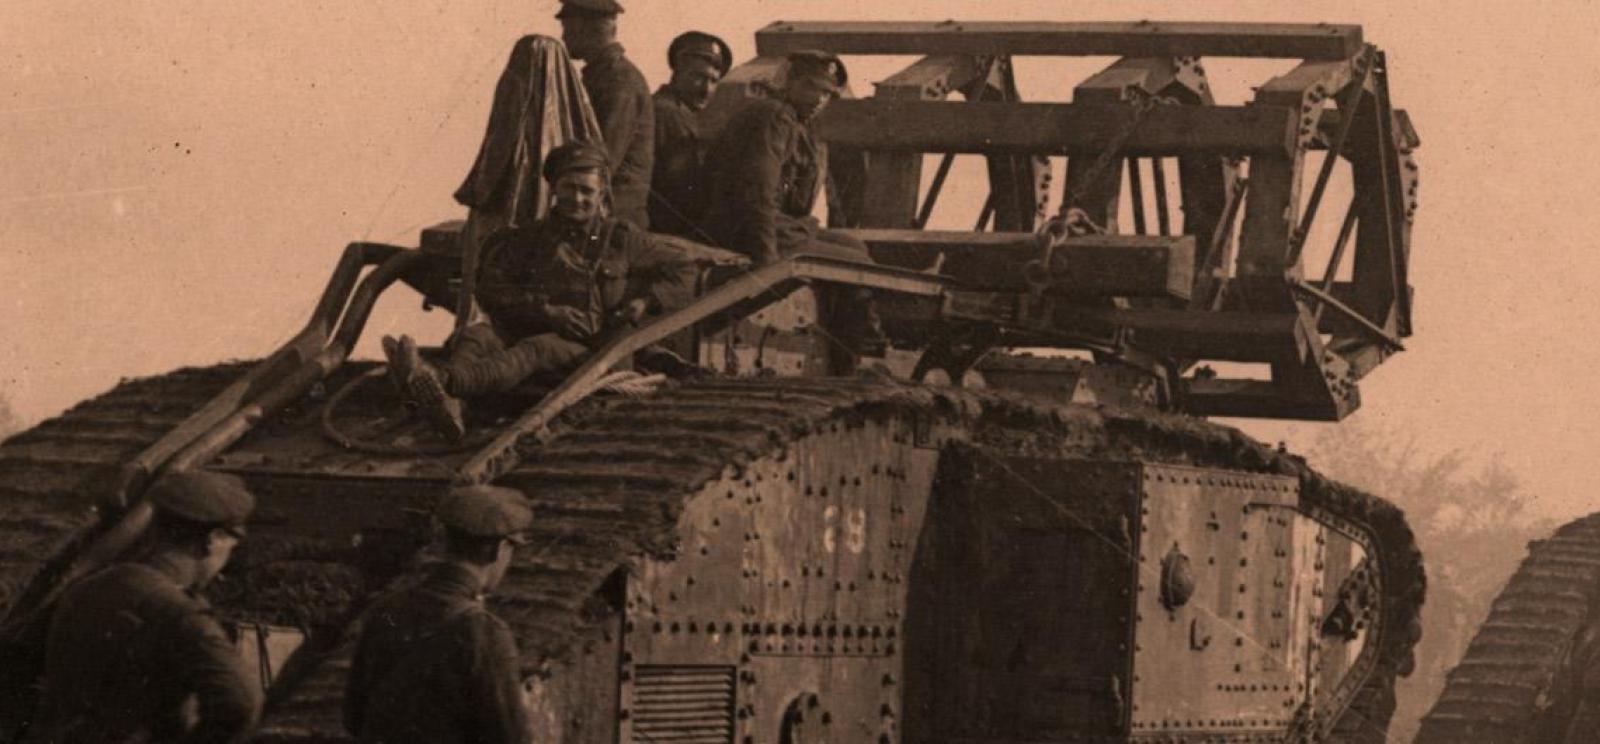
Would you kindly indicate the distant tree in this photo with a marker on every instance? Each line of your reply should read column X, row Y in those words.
column 1472, row 526
column 9, row 422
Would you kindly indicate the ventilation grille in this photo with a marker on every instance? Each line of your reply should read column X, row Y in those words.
column 683, row 704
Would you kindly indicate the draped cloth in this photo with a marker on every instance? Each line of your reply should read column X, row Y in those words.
column 539, row 104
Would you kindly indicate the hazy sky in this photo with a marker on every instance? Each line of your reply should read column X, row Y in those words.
column 176, row 185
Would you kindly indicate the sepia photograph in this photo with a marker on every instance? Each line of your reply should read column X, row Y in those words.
column 799, row 372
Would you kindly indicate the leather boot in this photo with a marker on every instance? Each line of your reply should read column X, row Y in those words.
column 423, row 386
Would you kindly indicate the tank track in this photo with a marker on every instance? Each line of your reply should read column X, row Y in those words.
column 1515, row 683
column 610, row 485
column 50, row 473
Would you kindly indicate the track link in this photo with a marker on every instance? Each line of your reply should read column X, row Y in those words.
column 1517, row 681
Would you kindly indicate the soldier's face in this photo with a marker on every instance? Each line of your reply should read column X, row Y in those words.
column 584, row 33
column 807, row 96
column 695, row 81
column 578, row 194
column 219, row 549
column 496, row 571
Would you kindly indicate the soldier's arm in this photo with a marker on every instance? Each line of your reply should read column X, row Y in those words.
column 207, row 666
column 658, row 272
column 500, row 290
column 677, row 149
column 616, row 106
column 496, row 680
column 755, row 207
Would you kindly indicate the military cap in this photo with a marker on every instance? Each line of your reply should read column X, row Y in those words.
column 204, row 498
column 702, row 45
column 575, row 155
column 486, row 511
column 823, row 67
column 571, row 8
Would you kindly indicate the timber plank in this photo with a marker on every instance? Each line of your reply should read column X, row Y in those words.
column 1046, row 128
column 1139, row 39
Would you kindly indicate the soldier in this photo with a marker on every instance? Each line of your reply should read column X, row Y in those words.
column 134, row 653
column 765, row 180
column 621, row 101
column 554, row 291
column 677, row 200
column 433, row 664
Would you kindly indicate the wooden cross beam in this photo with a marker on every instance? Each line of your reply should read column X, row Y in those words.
column 1141, row 39
column 1056, row 128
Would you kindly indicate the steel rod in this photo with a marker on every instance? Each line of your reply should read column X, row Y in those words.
column 1345, row 231
column 1373, row 329
column 934, row 188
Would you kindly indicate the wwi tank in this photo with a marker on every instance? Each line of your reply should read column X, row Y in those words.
column 1528, row 677
column 961, row 541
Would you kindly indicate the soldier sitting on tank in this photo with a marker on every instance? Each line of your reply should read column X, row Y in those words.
column 764, row 181
column 555, row 290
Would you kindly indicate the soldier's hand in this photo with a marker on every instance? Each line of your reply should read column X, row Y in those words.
column 569, row 321
column 631, row 312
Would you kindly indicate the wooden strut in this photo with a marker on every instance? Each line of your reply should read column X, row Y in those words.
column 949, row 159
column 1158, row 174
column 1394, row 197
column 1209, row 270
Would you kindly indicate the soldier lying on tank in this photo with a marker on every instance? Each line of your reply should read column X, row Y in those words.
column 134, row 652
column 432, row 663
column 764, row 183
column 677, row 190
column 554, row 291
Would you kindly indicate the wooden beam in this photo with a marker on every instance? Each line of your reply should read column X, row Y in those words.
column 1141, row 39
column 1260, row 399
column 1057, row 128
column 894, row 177
column 1328, row 124
column 932, row 78
column 1108, row 265
column 1125, row 266
column 1185, row 334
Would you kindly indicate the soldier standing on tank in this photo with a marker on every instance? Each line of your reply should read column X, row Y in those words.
column 555, row 290
column 134, row 653
column 621, row 100
column 677, row 199
column 433, row 665
column 764, row 183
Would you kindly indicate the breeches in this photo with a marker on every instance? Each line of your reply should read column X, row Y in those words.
column 483, row 363
column 804, row 235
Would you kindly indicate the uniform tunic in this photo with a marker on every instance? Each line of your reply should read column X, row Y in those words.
column 677, row 201
column 764, row 183
column 594, row 268
column 127, row 648
column 434, row 665
column 622, row 104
